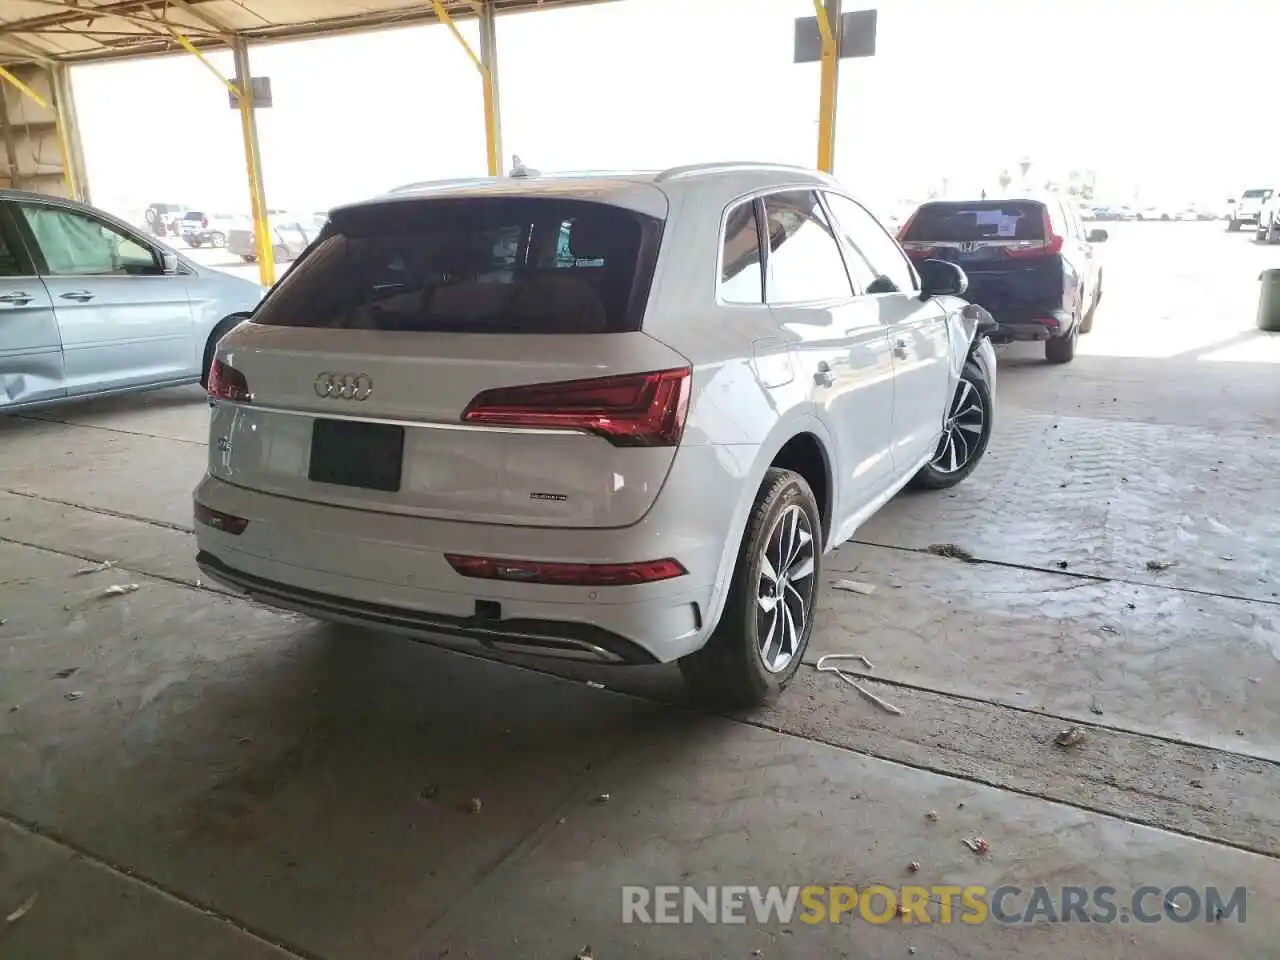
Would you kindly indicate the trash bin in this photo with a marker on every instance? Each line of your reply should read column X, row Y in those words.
column 1269, row 301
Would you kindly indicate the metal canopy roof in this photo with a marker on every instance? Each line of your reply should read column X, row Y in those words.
column 80, row 31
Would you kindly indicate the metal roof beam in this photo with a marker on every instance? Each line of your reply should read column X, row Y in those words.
column 222, row 30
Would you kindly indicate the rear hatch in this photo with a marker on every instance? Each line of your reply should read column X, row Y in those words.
column 193, row 222
column 1252, row 201
column 1009, row 250
column 474, row 359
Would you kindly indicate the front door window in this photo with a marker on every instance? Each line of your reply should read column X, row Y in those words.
column 74, row 244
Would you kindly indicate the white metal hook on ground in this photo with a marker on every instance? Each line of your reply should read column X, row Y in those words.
column 827, row 665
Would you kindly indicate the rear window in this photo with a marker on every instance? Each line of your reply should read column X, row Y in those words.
column 473, row 265
column 988, row 220
column 1255, row 194
column 193, row 215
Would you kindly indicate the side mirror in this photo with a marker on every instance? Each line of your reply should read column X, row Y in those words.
column 940, row 278
column 168, row 262
column 1097, row 236
column 1231, row 203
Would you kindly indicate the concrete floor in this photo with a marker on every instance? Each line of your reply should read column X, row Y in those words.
column 183, row 773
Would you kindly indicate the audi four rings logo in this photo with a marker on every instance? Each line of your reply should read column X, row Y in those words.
column 344, row 386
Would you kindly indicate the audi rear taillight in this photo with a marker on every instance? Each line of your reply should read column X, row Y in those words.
column 204, row 223
column 218, row 520
column 228, row 383
column 633, row 410
column 565, row 574
column 1037, row 248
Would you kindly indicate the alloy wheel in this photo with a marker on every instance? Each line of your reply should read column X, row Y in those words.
column 784, row 597
column 963, row 431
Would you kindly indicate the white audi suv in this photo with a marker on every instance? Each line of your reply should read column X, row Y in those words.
column 612, row 417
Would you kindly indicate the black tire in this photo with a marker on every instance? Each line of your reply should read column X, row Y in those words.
column 225, row 326
column 249, row 258
column 973, row 389
column 195, row 243
column 730, row 671
column 1062, row 349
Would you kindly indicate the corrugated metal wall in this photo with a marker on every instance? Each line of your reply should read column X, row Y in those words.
column 30, row 154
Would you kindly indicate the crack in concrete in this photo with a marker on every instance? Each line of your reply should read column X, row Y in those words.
column 104, row 511
column 97, row 426
column 1088, row 577
column 36, row 830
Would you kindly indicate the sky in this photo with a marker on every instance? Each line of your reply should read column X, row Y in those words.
column 1168, row 98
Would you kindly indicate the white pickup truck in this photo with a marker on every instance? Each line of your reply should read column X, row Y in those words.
column 1247, row 211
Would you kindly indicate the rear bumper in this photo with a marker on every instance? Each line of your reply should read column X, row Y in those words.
column 1030, row 325
column 561, row 639
column 389, row 572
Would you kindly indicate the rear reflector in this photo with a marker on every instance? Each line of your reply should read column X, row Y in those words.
column 634, row 410
column 219, row 520
column 565, row 574
column 228, row 383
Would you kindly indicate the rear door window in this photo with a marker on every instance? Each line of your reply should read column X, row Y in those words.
column 473, row 265
column 804, row 263
column 957, row 222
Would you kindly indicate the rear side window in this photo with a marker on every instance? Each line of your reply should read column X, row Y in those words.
column 804, row 263
column 983, row 220
column 741, row 269
column 473, row 265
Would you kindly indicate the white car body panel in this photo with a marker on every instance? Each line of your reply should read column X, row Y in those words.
column 370, row 557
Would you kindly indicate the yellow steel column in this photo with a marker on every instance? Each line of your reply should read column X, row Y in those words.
column 489, row 78
column 487, row 64
column 828, row 14
column 68, row 133
column 253, row 163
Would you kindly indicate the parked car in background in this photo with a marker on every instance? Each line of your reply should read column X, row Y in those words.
column 290, row 235
column 162, row 218
column 620, row 418
column 1268, row 228
column 90, row 305
column 1246, row 211
column 202, row 229
column 1030, row 262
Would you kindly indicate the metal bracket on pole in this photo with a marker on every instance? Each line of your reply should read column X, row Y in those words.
column 484, row 63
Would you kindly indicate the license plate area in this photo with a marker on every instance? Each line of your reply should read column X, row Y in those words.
column 349, row 453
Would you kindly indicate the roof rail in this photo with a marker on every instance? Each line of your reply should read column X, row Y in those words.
column 734, row 166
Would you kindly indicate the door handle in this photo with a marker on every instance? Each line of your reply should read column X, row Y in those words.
column 900, row 349
column 824, row 377
column 80, row 296
column 17, row 298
